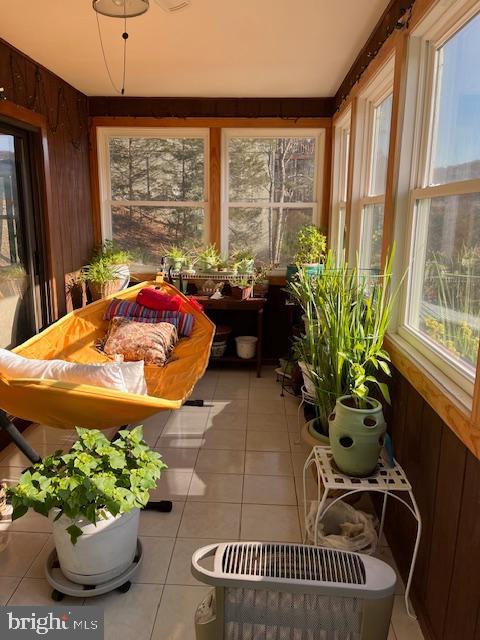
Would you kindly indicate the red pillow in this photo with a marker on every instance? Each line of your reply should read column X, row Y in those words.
column 153, row 299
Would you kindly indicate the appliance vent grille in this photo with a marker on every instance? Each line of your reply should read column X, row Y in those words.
column 293, row 562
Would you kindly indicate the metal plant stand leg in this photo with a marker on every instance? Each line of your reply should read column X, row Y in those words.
column 389, row 481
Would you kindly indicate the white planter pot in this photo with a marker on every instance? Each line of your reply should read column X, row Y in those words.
column 102, row 552
column 122, row 271
column 307, row 380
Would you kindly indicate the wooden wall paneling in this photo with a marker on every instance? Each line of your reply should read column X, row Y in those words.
column 423, row 476
column 215, row 185
column 95, row 185
column 233, row 108
column 446, row 512
column 32, row 87
column 462, row 616
column 228, row 123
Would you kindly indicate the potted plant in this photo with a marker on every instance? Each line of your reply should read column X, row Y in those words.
column 119, row 259
column 13, row 280
column 261, row 282
column 243, row 261
column 242, row 290
column 177, row 257
column 102, row 278
column 209, row 258
column 92, row 495
column 191, row 260
column 346, row 318
column 311, row 246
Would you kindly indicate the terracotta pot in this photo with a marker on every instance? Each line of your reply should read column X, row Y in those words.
column 242, row 293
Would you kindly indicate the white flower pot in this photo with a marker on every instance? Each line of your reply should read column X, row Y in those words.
column 102, row 552
column 307, row 379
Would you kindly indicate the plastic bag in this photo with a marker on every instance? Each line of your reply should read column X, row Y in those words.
column 343, row 527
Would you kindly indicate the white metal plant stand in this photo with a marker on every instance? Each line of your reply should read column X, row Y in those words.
column 307, row 398
column 387, row 480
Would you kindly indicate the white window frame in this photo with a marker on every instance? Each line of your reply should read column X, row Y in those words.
column 341, row 164
column 316, row 204
column 379, row 88
column 439, row 25
column 105, row 134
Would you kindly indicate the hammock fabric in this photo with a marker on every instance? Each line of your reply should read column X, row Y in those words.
column 73, row 338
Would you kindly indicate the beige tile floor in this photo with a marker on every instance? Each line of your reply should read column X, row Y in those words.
column 234, row 473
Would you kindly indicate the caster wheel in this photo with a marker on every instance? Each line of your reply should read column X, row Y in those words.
column 124, row 587
column 57, row 596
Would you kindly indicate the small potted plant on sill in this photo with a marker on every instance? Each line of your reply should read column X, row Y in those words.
column 119, row 259
column 177, row 257
column 311, row 246
column 261, row 281
column 209, row 258
column 242, row 290
column 101, row 278
column 191, row 260
column 346, row 318
column 92, row 495
column 243, row 261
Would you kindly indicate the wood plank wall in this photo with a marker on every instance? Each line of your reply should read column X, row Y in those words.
column 28, row 84
column 446, row 480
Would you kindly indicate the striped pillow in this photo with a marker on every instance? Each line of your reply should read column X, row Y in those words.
column 125, row 309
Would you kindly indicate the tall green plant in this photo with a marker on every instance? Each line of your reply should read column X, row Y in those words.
column 346, row 317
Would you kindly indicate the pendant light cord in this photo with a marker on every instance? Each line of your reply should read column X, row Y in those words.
column 115, row 88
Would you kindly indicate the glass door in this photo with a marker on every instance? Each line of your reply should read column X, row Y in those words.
column 22, row 279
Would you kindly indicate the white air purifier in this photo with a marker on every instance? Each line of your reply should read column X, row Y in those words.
column 269, row 591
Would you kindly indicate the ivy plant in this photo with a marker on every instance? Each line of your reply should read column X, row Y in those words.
column 94, row 479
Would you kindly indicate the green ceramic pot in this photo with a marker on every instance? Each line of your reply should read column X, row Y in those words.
column 356, row 436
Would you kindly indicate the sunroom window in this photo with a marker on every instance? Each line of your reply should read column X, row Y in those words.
column 271, row 189
column 371, row 232
column 443, row 309
column 340, row 183
column 154, row 190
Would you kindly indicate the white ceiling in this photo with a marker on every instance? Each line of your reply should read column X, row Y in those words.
column 228, row 48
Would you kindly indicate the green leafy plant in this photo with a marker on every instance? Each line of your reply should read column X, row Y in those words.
column 209, row 257
column 12, row 272
column 311, row 245
column 96, row 478
column 346, row 317
column 112, row 253
column 176, row 254
column 100, row 271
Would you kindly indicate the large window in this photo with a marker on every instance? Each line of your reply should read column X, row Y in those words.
column 443, row 303
column 153, row 189
column 340, row 183
column 272, row 187
column 378, row 112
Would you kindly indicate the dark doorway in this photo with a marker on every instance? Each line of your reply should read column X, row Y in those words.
column 23, row 282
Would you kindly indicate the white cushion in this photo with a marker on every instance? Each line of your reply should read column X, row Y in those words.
column 134, row 376
column 99, row 375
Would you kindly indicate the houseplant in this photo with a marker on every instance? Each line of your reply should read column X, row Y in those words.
column 242, row 290
column 243, row 261
column 119, row 259
column 209, row 258
column 311, row 246
column 261, row 281
column 13, row 280
column 92, row 495
column 346, row 318
column 102, row 278
column 177, row 257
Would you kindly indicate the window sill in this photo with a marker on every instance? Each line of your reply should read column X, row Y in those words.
column 445, row 397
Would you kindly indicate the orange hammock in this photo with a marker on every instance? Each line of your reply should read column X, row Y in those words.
column 73, row 338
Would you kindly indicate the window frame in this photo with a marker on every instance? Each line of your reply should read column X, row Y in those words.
column 426, row 39
column 105, row 134
column 378, row 89
column 316, row 205
column 342, row 134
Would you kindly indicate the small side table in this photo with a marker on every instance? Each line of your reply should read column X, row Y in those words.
column 387, row 480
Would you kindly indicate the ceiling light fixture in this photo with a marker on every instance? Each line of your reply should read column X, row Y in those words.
column 121, row 8
column 171, row 6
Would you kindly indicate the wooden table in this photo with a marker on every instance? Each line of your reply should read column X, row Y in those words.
column 252, row 305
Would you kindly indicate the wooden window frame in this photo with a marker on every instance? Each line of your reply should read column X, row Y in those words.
column 342, row 130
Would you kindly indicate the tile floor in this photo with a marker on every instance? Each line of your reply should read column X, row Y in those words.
column 234, row 473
